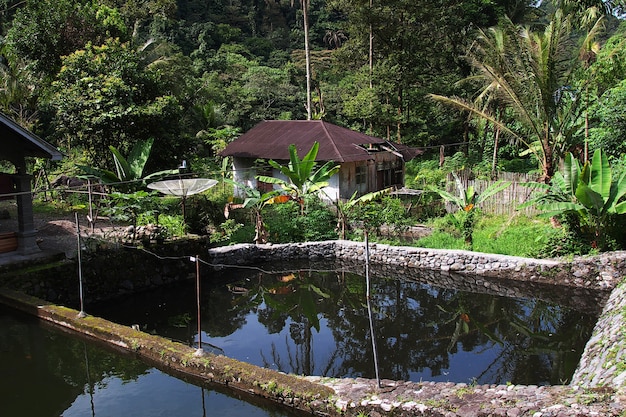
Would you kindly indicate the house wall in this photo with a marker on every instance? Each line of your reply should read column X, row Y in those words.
column 347, row 179
column 388, row 171
column 243, row 173
column 383, row 170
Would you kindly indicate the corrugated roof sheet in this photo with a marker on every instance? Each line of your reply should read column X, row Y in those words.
column 270, row 139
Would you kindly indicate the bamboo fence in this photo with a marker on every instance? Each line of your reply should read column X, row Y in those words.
column 506, row 202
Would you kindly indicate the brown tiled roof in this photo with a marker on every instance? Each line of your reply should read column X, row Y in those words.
column 270, row 139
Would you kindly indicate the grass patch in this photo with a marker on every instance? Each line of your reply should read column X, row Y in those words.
column 441, row 239
column 516, row 236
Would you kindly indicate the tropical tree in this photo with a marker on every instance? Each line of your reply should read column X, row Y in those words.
column 42, row 32
column 533, row 77
column 105, row 96
column 607, row 96
column 467, row 201
column 18, row 89
column 609, row 132
column 590, row 193
column 305, row 5
column 302, row 177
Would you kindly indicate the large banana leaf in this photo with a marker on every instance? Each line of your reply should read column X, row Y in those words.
column 568, row 181
column 106, row 176
column 493, row 189
column 618, row 191
column 559, row 207
column 303, row 167
column 598, row 175
column 121, row 165
column 589, row 198
column 132, row 168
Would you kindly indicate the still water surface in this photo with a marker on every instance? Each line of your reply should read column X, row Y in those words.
column 316, row 322
column 46, row 372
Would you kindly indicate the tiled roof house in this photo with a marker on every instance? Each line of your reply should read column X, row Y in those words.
column 367, row 163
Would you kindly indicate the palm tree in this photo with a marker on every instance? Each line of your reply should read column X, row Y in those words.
column 307, row 53
column 531, row 73
column 335, row 38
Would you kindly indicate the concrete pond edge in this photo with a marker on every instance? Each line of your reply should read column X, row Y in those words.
column 292, row 391
column 598, row 387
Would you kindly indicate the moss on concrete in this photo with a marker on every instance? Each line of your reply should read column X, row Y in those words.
column 166, row 354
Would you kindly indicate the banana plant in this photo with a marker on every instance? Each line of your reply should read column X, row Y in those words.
column 302, row 177
column 590, row 193
column 467, row 201
column 128, row 171
column 344, row 208
column 256, row 201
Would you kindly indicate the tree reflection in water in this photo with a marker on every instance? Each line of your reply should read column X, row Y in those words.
column 316, row 323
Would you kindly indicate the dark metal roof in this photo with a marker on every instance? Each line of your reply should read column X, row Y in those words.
column 270, row 139
column 18, row 142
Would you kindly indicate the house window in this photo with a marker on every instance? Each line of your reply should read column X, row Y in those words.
column 361, row 178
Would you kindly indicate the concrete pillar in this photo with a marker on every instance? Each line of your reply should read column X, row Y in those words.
column 26, row 234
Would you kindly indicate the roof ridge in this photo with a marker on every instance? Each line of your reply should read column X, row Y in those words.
column 332, row 140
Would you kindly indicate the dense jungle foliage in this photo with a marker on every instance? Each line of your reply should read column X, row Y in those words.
column 193, row 74
column 492, row 85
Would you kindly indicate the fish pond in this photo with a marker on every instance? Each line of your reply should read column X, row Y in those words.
column 318, row 321
column 47, row 372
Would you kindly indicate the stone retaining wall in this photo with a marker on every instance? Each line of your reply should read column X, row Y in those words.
column 603, row 362
column 598, row 272
column 108, row 272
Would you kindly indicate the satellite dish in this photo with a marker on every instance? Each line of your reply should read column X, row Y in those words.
column 183, row 187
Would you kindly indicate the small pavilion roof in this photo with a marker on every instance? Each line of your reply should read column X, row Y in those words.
column 270, row 139
column 17, row 142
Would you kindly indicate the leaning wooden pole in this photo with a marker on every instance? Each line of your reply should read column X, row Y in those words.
column 199, row 351
column 82, row 313
column 369, row 308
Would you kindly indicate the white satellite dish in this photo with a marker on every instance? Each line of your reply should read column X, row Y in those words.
column 183, row 187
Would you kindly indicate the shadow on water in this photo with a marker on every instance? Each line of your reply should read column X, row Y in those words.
column 312, row 319
column 47, row 372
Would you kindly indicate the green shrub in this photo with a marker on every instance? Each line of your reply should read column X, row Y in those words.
column 205, row 212
column 420, row 174
column 244, row 234
column 319, row 222
column 388, row 211
column 518, row 236
column 281, row 224
column 286, row 224
column 225, row 231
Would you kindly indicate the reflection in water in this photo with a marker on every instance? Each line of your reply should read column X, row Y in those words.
column 48, row 373
column 316, row 323
column 368, row 297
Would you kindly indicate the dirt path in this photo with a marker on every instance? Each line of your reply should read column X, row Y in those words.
column 57, row 230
